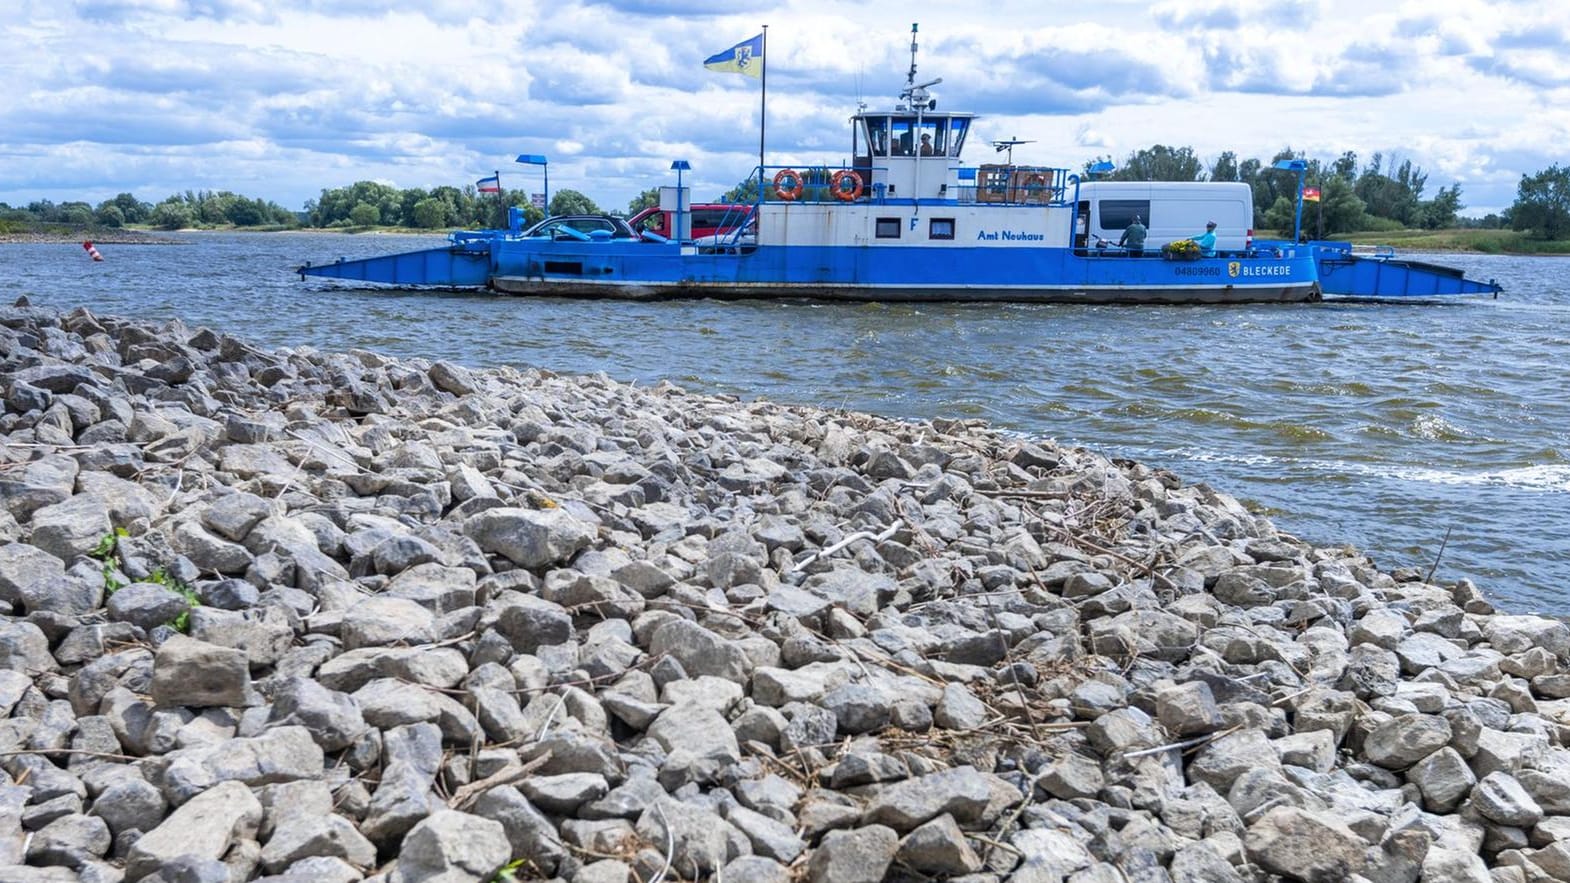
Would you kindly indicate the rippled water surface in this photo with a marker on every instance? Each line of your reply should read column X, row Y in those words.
column 1381, row 425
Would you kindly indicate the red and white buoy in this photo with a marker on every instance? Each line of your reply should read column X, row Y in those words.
column 92, row 251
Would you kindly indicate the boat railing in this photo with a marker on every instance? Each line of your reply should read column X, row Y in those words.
column 990, row 185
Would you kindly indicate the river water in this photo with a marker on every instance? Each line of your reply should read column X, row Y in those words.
column 1383, row 426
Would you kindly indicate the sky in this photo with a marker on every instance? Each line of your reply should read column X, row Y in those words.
column 281, row 99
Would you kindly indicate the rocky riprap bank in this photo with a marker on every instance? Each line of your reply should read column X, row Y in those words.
column 401, row 620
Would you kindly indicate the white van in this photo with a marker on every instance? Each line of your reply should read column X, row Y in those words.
column 1170, row 210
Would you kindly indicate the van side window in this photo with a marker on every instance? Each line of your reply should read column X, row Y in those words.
column 1116, row 214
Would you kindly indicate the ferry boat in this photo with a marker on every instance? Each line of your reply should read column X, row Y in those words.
column 906, row 220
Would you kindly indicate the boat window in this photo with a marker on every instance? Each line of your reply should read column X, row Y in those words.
column 877, row 135
column 1117, row 214
column 888, row 228
column 903, row 139
column 957, row 130
column 940, row 228
column 933, row 138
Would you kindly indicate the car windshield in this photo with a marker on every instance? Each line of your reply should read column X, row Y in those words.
column 578, row 227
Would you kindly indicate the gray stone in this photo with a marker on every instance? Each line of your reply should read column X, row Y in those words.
column 71, row 840
column 264, row 634
column 205, row 827
column 959, row 709
column 299, row 837
column 563, row 794
column 196, row 674
column 233, row 515
column 209, row 552
column 37, row 580
column 700, row 651
column 146, row 605
column 379, row 621
column 1444, row 779
column 280, row 755
column 961, row 792
column 861, row 855
column 769, row 837
column 332, row 717
column 321, row 869
column 1517, row 634
column 451, row 846
column 858, row 708
column 130, row 804
column 529, row 833
column 696, row 839
column 1049, row 854
column 755, row 869
column 1188, row 709
column 530, row 623
column 1499, row 798
column 71, row 528
column 1072, row 775
column 1303, row 845
column 698, row 743
column 1402, row 741
column 24, row 648
column 529, row 537
column 440, row 667
column 938, row 848
column 1219, row 763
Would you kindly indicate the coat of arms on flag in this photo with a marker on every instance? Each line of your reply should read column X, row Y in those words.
column 745, row 57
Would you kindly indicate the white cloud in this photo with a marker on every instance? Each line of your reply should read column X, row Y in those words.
column 283, row 98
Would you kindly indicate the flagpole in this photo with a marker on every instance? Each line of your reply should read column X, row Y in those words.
column 501, row 200
column 763, row 109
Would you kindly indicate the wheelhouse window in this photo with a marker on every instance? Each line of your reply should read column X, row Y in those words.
column 940, row 228
column 934, row 137
column 877, row 135
column 902, row 130
column 888, row 228
column 1117, row 214
column 956, row 137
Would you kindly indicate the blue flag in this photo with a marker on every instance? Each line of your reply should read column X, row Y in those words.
column 745, row 57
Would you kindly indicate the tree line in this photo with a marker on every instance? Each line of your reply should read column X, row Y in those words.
column 193, row 208
column 1374, row 196
column 1379, row 195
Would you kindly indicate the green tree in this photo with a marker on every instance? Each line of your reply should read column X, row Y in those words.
column 110, row 215
column 1440, row 212
column 171, row 214
column 744, row 193
column 1160, row 163
column 571, row 202
column 133, row 210
column 1225, row 168
column 1542, row 204
column 429, row 213
column 365, row 214
column 646, row 199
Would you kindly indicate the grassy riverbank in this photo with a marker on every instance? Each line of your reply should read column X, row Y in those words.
column 1459, row 240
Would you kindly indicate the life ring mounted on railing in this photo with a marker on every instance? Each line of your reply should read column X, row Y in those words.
column 837, row 185
column 788, row 184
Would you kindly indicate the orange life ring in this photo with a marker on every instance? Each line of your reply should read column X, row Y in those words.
column 792, row 192
column 837, row 185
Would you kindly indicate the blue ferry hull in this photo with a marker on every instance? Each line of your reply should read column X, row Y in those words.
column 643, row 270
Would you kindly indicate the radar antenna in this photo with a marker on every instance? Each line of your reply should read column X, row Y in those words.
column 1009, row 145
column 916, row 93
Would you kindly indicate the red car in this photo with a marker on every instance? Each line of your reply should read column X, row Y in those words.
column 708, row 219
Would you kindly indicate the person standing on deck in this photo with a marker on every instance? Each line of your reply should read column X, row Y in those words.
column 1133, row 239
column 1206, row 240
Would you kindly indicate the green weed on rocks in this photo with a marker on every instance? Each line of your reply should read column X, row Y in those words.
column 105, row 551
